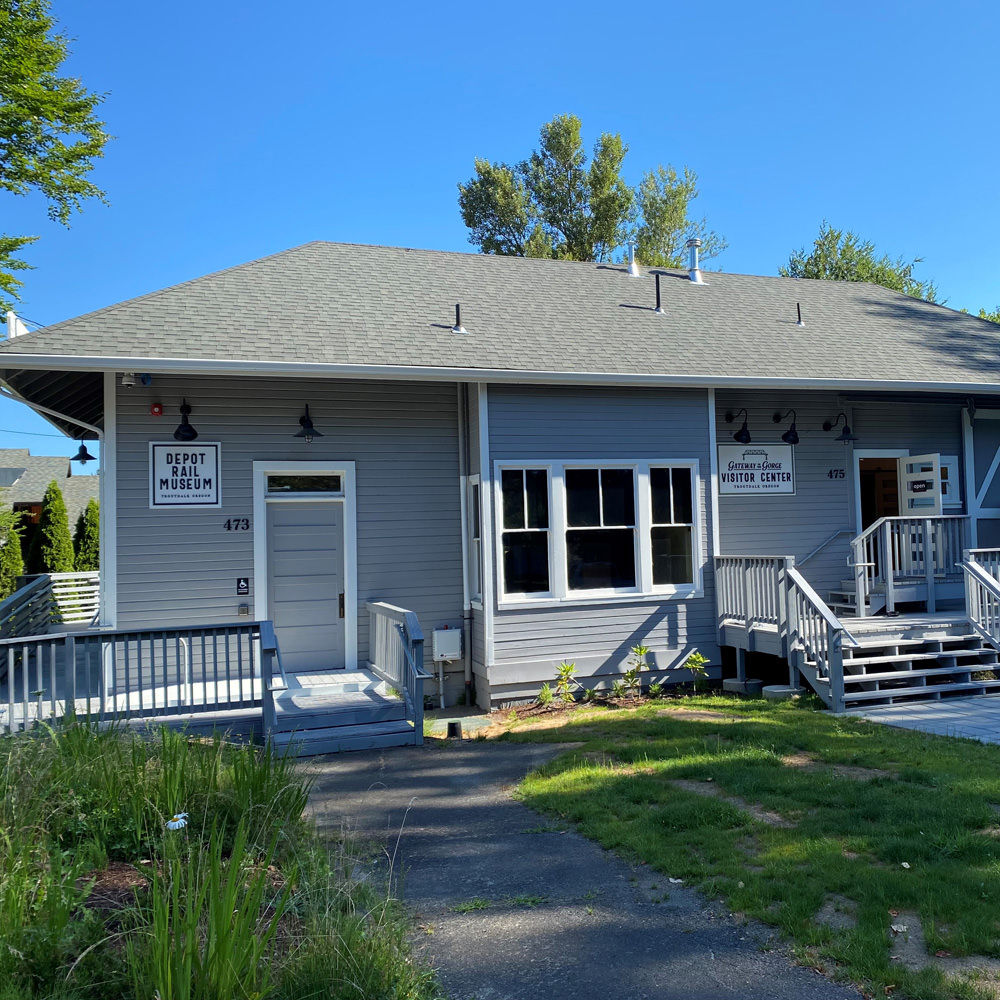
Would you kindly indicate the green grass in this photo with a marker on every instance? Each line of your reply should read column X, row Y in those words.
column 805, row 810
column 243, row 901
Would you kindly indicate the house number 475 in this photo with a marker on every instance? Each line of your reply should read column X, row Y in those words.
column 238, row 524
column 836, row 474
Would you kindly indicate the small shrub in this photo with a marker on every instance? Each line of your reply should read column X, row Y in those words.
column 590, row 695
column 566, row 685
column 618, row 689
column 655, row 690
column 698, row 665
column 545, row 695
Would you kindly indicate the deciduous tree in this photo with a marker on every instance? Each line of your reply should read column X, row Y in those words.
column 844, row 256
column 555, row 204
column 50, row 134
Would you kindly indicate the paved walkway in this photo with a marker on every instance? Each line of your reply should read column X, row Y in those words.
column 511, row 906
column 974, row 718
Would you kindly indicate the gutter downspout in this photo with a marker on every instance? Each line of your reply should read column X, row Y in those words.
column 464, row 459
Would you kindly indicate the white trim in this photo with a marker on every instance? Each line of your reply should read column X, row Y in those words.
column 294, row 369
column 348, row 497
column 559, row 592
column 954, row 481
column 972, row 507
column 713, row 466
column 109, row 505
column 860, row 453
column 488, row 540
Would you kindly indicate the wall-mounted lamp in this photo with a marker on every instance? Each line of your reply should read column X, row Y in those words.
column 308, row 432
column 743, row 434
column 845, row 434
column 185, row 432
column 82, row 456
column 791, row 436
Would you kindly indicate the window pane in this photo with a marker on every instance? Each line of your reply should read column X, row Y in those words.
column 659, row 487
column 512, row 487
column 304, row 484
column 526, row 562
column 583, row 498
column 602, row 558
column 475, row 511
column 672, row 556
column 682, row 496
column 618, row 496
column 537, row 486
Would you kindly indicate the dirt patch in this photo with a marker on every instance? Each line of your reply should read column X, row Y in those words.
column 115, row 887
column 838, row 912
column 806, row 762
column 713, row 791
column 695, row 715
column 802, row 760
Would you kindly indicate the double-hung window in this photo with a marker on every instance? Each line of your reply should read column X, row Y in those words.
column 575, row 531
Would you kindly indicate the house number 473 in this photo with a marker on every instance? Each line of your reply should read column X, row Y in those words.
column 238, row 524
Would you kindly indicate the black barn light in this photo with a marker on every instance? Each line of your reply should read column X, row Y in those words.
column 743, row 434
column 307, row 432
column 791, row 436
column 845, row 434
column 185, row 432
column 82, row 456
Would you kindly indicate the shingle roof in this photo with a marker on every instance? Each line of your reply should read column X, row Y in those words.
column 338, row 304
column 31, row 475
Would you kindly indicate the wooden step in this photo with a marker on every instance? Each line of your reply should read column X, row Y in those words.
column 907, row 674
column 935, row 690
column 866, row 642
column 309, row 708
column 337, row 739
column 866, row 661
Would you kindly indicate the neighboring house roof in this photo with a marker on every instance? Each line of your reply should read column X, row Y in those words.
column 26, row 477
column 351, row 307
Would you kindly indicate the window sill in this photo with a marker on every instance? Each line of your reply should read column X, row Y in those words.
column 574, row 600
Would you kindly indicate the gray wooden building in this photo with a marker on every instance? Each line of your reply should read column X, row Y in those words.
column 558, row 473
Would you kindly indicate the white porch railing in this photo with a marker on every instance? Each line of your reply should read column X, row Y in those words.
column 769, row 592
column 50, row 599
column 125, row 674
column 982, row 591
column 895, row 550
column 396, row 655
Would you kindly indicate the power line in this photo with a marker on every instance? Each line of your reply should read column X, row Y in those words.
column 39, row 434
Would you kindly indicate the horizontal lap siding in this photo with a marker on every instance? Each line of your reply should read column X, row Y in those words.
column 177, row 567
column 791, row 525
column 544, row 424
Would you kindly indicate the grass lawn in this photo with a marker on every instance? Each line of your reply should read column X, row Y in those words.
column 106, row 892
column 876, row 851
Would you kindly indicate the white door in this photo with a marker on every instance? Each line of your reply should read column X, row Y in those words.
column 920, row 482
column 305, row 582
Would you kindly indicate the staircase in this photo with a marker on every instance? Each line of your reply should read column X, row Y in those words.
column 913, row 658
column 843, row 601
column 332, row 711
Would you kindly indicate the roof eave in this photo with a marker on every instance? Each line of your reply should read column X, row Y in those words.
column 295, row 369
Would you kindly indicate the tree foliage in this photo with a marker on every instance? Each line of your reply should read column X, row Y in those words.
column 555, row 204
column 993, row 317
column 843, row 256
column 52, row 546
column 11, row 561
column 87, row 539
column 50, row 134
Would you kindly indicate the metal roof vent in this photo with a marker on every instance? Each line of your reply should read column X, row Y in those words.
column 633, row 267
column 693, row 269
column 458, row 328
column 15, row 325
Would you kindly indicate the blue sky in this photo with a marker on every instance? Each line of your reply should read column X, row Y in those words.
column 246, row 128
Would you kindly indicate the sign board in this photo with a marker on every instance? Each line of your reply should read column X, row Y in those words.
column 184, row 474
column 242, row 586
column 755, row 469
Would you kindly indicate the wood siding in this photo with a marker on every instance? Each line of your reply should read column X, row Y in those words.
column 177, row 567
column 546, row 424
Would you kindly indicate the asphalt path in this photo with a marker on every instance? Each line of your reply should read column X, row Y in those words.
column 509, row 905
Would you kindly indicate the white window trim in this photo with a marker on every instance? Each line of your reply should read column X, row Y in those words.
column 475, row 579
column 559, row 593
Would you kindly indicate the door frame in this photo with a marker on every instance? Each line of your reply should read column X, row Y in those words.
column 346, row 470
column 860, row 453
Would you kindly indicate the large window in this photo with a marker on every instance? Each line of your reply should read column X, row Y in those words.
column 574, row 532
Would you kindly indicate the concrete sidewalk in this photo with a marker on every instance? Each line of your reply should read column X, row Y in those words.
column 560, row 916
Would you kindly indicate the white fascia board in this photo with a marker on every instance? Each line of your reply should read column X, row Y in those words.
column 294, row 369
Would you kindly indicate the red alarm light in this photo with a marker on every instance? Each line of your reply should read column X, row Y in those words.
column 156, row 410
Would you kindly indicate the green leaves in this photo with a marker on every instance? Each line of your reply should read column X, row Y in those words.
column 840, row 256
column 556, row 205
column 50, row 134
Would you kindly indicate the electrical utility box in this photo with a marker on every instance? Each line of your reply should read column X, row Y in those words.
column 446, row 644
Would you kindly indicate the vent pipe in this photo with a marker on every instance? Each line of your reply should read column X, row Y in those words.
column 633, row 267
column 458, row 328
column 693, row 269
column 659, row 306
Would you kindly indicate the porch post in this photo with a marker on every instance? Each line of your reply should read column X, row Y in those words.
column 929, row 565
column 860, row 575
column 888, row 567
